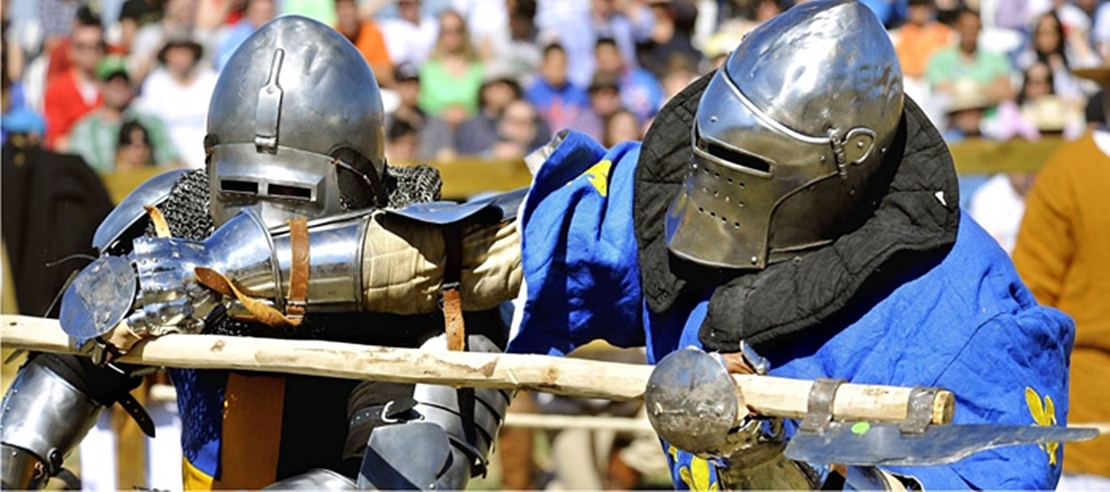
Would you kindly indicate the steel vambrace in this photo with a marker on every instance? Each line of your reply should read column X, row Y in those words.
column 444, row 442
column 44, row 418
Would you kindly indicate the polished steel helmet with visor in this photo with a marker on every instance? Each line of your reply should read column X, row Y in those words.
column 295, row 126
column 787, row 135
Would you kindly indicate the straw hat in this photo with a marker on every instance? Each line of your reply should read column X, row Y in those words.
column 967, row 94
column 1048, row 114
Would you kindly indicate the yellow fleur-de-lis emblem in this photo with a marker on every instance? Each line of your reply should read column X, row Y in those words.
column 598, row 175
column 1044, row 415
column 697, row 475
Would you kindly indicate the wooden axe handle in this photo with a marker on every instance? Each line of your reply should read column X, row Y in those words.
column 767, row 395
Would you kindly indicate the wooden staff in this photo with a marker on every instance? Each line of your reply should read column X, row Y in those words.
column 767, row 395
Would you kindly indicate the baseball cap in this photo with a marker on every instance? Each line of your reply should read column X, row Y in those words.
column 111, row 66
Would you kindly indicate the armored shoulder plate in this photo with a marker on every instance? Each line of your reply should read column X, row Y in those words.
column 130, row 211
column 501, row 207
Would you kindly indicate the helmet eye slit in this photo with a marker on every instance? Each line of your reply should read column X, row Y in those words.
column 737, row 158
column 286, row 191
column 239, row 186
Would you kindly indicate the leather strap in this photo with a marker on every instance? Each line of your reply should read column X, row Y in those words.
column 450, row 296
column 298, row 271
column 259, row 310
column 133, row 408
column 161, row 227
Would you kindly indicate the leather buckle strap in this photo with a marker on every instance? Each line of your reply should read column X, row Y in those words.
column 298, row 270
column 450, row 294
column 137, row 412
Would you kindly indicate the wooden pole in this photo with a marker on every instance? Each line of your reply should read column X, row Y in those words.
column 767, row 395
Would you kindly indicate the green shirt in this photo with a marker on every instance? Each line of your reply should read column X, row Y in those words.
column 439, row 90
column 321, row 11
column 95, row 139
column 949, row 65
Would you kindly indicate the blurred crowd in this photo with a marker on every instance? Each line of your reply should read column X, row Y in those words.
column 125, row 84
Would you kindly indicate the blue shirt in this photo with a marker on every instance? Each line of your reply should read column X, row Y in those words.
column 968, row 325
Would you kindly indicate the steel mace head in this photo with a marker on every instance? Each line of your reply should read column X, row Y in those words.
column 691, row 400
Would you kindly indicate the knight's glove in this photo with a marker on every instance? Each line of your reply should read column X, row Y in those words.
column 164, row 285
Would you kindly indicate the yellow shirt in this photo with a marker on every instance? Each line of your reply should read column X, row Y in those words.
column 1063, row 255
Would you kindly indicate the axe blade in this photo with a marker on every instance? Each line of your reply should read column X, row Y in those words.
column 872, row 444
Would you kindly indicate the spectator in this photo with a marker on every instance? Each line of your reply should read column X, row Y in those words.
column 1042, row 107
column 450, row 81
column 678, row 74
column 487, row 21
column 998, row 205
column 95, row 136
column 622, row 126
column 519, row 131
column 670, row 37
column 920, row 38
column 1047, row 45
column 133, row 147
column 410, row 37
column 640, row 90
column 254, row 14
column 579, row 24
column 135, row 14
column 558, row 100
column 73, row 94
column 1061, row 256
column 605, row 99
column 178, row 93
column 178, row 20
column 968, row 60
column 477, row 135
column 402, row 142
column 436, row 136
column 58, row 50
column 366, row 36
column 522, row 52
column 966, row 108
column 51, row 204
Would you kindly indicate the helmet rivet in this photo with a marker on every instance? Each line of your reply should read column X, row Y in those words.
column 712, row 119
column 883, row 150
column 755, row 259
column 859, row 144
column 822, row 158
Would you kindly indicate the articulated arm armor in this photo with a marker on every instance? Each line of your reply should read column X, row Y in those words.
column 442, row 441
column 48, row 410
column 383, row 261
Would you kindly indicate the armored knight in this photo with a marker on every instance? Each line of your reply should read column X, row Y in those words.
column 271, row 239
column 797, row 214
column 792, row 211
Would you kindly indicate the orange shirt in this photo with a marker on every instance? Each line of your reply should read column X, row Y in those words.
column 916, row 45
column 1061, row 255
column 371, row 44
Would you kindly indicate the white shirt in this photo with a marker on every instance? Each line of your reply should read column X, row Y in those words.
column 999, row 209
column 408, row 42
column 184, row 110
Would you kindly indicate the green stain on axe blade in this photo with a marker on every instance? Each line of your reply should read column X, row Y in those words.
column 861, row 428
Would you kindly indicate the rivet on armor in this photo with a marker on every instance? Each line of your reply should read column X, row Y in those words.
column 755, row 259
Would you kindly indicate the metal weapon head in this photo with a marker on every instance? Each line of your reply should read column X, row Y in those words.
column 786, row 137
column 873, row 444
column 692, row 401
column 295, row 126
